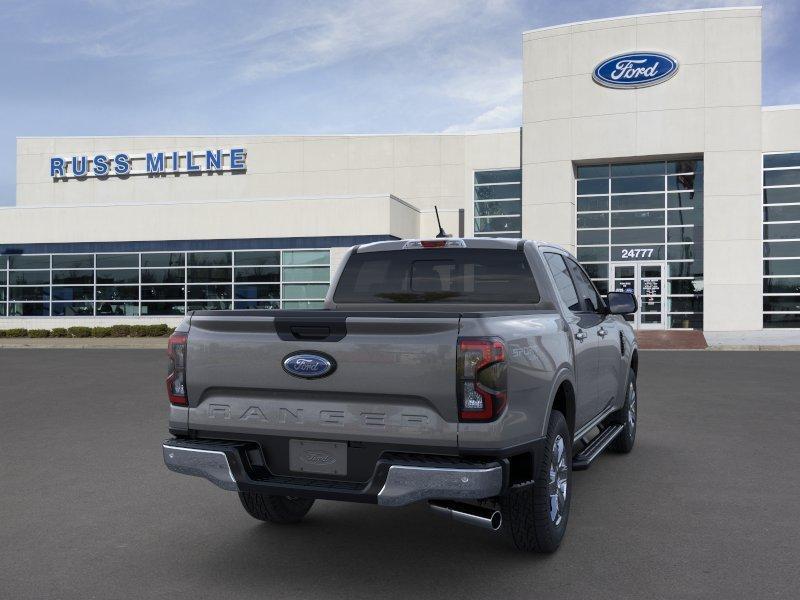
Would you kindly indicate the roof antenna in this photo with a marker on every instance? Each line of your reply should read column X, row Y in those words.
column 441, row 233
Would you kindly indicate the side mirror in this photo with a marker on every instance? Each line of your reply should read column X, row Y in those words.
column 621, row 303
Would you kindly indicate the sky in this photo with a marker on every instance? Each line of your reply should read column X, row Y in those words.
column 205, row 67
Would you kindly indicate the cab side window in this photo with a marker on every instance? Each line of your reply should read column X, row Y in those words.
column 589, row 298
column 566, row 289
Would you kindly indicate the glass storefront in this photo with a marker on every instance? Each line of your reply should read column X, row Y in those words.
column 781, row 300
column 650, row 214
column 498, row 203
column 161, row 283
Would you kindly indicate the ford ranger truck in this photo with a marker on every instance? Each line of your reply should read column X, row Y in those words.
column 472, row 374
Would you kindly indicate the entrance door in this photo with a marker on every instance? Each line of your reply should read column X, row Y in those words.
column 646, row 280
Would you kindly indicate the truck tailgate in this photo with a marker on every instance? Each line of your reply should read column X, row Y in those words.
column 393, row 382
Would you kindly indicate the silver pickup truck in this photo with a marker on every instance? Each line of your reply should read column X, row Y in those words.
column 474, row 374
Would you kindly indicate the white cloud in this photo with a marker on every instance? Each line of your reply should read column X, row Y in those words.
column 497, row 117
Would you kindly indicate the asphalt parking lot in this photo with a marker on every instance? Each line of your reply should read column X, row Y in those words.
column 707, row 505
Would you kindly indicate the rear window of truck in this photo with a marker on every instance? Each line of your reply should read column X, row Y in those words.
column 438, row 275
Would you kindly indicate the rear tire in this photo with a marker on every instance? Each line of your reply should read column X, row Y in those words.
column 536, row 516
column 275, row 509
column 627, row 416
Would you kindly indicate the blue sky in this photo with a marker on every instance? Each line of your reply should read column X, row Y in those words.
column 149, row 67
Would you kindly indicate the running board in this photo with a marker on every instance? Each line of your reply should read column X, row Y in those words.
column 583, row 461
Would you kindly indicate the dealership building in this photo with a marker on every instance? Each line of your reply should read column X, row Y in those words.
column 644, row 149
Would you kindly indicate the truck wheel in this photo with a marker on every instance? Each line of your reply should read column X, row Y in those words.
column 275, row 509
column 627, row 417
column 536, row 516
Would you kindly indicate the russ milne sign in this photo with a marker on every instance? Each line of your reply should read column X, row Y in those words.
column 635, row 70
column 150, row 163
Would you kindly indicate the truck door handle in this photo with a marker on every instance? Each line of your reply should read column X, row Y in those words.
column 581, row 335
column 602, row 332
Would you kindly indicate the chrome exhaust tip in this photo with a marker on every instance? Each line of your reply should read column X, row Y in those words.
column 480, row 516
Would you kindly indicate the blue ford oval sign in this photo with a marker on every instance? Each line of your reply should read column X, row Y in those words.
column 308, row 365
column 635, row 70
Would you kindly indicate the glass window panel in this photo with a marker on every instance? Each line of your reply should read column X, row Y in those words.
column 72, row 309
column 684, row 182
column 684, row 166
column 310, row 291
column 782, row 213
column 684, row 217
column 637, row 236
column 694, row 304
column 680, row 234
column 789, row 159
column 163, row 259
column 162, row 292
column 636, row 184
column 258, row 258
column 209, row 292
column 306, row 257
column 73, row 261
column 782, row 303
column 2, row 309
column 209, row 275
column 681, row 269
column 118, row 276
column 209, row 305
column 506, row 207
column 307, row 274
column 28, row 309
column 498, row 176
column 564, row 284
column 782, row 231
column 686, row 321
column 592, row 186
column 596, row 271
column 2, row 277
column 162, row 308
column 257, row 292
column 495, row 192
column 85, row 292
column 593, row 236
column 29, row 262
column 163, row 276
column 117, row 309
column 29, row 277
column 500, row 224
column 73, row 277
column 775, row 321
column 781, row 249
column 592, row 220
column 303, row 305
column 2, row 294
column 685, row 286
column 3, row 262
column 782, row 267
column 637, row 201
column 596, row 203
column 648, row 168
column 255, row 305
column 638, row 252
column 637, row 219
column 586, row 171
column 782, row 195
column 680, row 252
column 114, row 261
column 624, row 272
column 29, row 293
column 497, row 234
column 787, row 177
column 245, row 274
column 208, row 259
column 116, row 292
column 601, row 285
column 684, row 199
column 593, row 254
column 782, row 285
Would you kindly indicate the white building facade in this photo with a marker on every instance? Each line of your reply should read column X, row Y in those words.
column 672, row 181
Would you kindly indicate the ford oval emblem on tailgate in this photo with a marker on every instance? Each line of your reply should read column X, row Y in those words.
column 309, row 365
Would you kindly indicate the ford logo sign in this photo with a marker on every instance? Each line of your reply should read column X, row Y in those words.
column 309, row 365
column 635, row 70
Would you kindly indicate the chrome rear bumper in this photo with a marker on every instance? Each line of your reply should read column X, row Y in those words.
column 392, row 485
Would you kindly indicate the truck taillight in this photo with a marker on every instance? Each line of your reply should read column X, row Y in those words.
column 176, row 377
column 481, row 378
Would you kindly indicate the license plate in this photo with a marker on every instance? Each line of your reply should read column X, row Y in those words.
column 309, row 456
